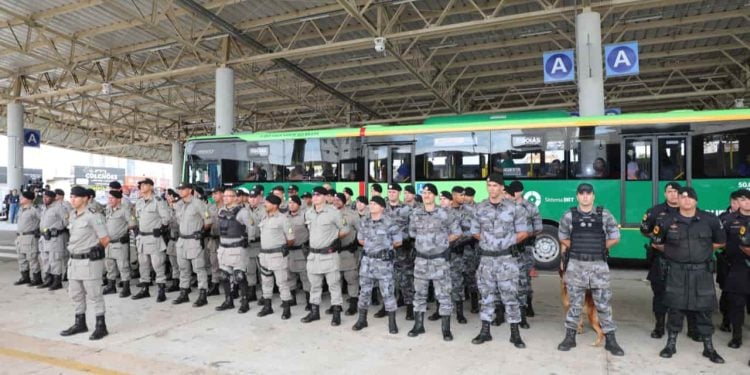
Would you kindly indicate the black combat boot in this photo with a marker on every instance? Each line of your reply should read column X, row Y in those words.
column 251, row 294
column 725, row 326
column 515, row 336
column 267, row 309
column 174, row 286
column 235, row 291
column 100, row 330
column 460, row 312
column 736, row 341
column 524, row 324
column 110, row 288
column 484, row 334
column 36, row 279
column 293, row 301
column 336, row 320
column 329, row 310
column 228, row 300
column 361, row 321
column 409, row 311
column 671, row 348
column 125, row 292
column 611, row 344
column 307, row 301
column 182, row 298
column 352, row 306
column 381, row 313
column 418, row 324
column 499, row 315
column 436, row 315
column 446, row 326
column 261, row 300
column 709, row 351
column 25, row 279
column 56, row 282
column 392, row 327
column 286, row 312
column 213, row 289
column 313, row 315
column 569, row 341
column 47, row 281
column 78, row 327
column 529, row 308
column 244, row 305
column 201, row 301
column 143, row 293
column 658, row 331
column 474, row 297
column 161, row 294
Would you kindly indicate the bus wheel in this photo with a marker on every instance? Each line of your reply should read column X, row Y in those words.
column 547, row 249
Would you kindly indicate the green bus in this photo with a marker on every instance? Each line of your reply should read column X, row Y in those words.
column 628, row 158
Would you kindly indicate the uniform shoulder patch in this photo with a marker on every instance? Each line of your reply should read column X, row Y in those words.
column 92, row 210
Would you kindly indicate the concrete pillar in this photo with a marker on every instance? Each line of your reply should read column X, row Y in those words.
column 176, row 163
column 590, row 70
column 15, row 146
column 224, row 105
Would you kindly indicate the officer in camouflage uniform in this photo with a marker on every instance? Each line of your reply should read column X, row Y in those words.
column 212, row 242
column 152, row 216
column 722, row 268
column 499, row 225
column 526, row 258
column 174, row 234
column 276, row 233
column 349, row 254
column 298, row 251
column 448, row 201
column 432, row 229
column 471, row 257
column 586, row 235
column 378, row 235
column 27, row 242
column 117, row 261
column 257, row 213
column 53, row 226
column 404, row 264
column 232, row 252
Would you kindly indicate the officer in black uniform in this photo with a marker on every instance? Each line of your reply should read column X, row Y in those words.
column 722, row 267
column 688, row 239
column 656, row 272
column 737, row 256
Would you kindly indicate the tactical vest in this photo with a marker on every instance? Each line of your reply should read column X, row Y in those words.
column 587, row 238
column 736, row 226
column 229, row 227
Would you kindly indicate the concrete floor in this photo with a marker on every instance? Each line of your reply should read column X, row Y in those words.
column 146, row 337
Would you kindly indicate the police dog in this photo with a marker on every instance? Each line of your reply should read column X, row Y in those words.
column 588, row 308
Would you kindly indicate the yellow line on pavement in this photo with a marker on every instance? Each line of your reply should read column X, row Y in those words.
column 57, row 362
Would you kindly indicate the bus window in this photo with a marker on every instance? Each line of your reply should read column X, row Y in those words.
column 672, row 157
column 351, row 160
column 314, row 159
column 450, row 156
column 724, row 153
column 377, row 157
column 594, row 153
column 638, row 159
column 529, row 153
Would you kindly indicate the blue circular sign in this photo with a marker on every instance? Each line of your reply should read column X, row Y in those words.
column 558, row 66
column 621, row 59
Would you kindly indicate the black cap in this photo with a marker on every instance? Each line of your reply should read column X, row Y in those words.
column 253, row 193
column 272, row 199
column 185, row 185
column 687, row 191
column 394, row 186
column 92, row 192
column 295, row 199
column 743, row 193
column 584, row 188
column 146, row 181
column 115, row 193
column 379, row 200
column 78, row 191
column 362, row 199
column 377, row 188
column 447, row 195
column 306, row 195
column 278, row 188
column 673, row 185
column 115, row 185
column 515, row 187
column 293, row 188
column 28, row 195
column 59, row 192
column 431, row 188
column 320, row 190
column 496, row 178
column 457, row 189
column 469, row 191
column 410, row 189
column 241, row 191
column 348, row 191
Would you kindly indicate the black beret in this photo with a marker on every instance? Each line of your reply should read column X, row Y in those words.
column 394, row 186
column 362, row 199
column 447, row 195
column 259, row 188
column 348, row 191
column 147, row 181
column 173, row 193
column 295, row 199
column 278, row 188
column 585, row 188
column 115, row 193
column 115, row 185
column 320, row 190
column 306, row 195
column 496, row 178
column 410, row 189
column 185, row 185
column 673, row 185
column 378, row 200
column 457, row 189
column 50, row 193
column 732, row 195
column 687, row 191
column 92, row 192
column 253, row 193
column 272, row 199
column 431, row 188
column 469, row 191
column 200, row 191
column 515, row 186
column 341, row 197
column 59, row 192
column 293, row 187
column 79, row 191
column 743, row 193
column 377, row 188
column 331, row 192
column 28, row 195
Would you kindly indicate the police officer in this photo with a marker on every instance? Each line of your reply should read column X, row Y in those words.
column 586, row 234
column 279, row 192
column 499, row 225
column 193, row 216
column 737, row 255
column 656, row 272
column 404, row 263
column 232, row 252
column 152, row 216
column 93, row 204
column 471, row 257
column 432, row 229
column 174, row 234
column 276, row 233
column 306, row 201
column 376, row 190
column 257, row 213
column 526, row 258
column 27, row 243
column 52, row 226
column 212, row 241
column 722, row 268
column 689, row 239
column 378, row 235
column 298, row 251
column 88, row 238
column 117, row 254
column 326, row 228
column 349, row 254
column 451, row 203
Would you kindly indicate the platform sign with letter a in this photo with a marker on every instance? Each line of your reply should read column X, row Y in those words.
column 32, row 138
column 559, row 66
column 621, row 59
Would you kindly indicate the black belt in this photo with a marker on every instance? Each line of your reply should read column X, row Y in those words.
column 272, row 251
column 689, row 266
column 296, row 247
column 325, row 250
column 385, row 254
column 445, row 255
column 52, row 233
column 95, row 253
column 255, row 240
column 214, row 236
column 122, row 240
column 27, row 233
column 195, row 236
column 239, row 243
column 352, row 247
column 587, row 257
column 493, row 254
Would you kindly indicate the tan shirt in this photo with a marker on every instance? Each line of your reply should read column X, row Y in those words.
column 86, row 228
column 324, row 226
column 275, row 231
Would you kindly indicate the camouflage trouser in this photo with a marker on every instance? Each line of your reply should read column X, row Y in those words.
column 373, row 271
column 525, row 263
column 457, row 277
column 471, row 263
column 499, row 275
column 437, row 271
column 404, row 272
column 581, row 276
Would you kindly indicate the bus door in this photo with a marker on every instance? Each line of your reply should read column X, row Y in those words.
column 388, row 163
column 648, row 163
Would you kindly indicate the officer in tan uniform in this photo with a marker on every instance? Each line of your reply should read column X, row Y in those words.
column 326, row 230
column 88, row 238
column 117, row 254
column 212, row 242
column 27, row 243
column 193, row 216
column 276, row 234
column 298, row 251
column 151, row 218
column 52, row 226
column 350, row 253
column 174, row 234
column 257, row 213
